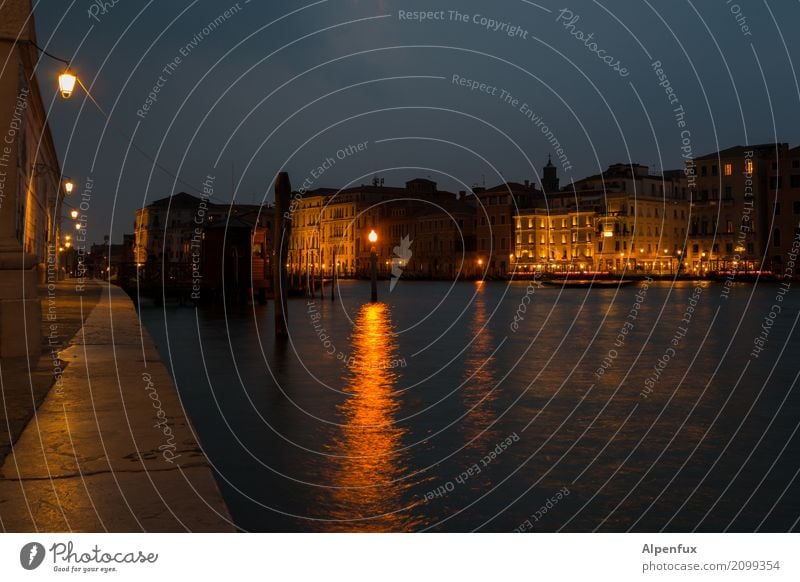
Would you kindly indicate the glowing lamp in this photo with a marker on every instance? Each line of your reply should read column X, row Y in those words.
column 74, row 214
column 77, row 226
column 373, row 236
column 68, row 186
column 66, row 84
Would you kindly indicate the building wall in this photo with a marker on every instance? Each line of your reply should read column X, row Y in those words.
column 30, row 175
column 786, row 228
column 732, row 209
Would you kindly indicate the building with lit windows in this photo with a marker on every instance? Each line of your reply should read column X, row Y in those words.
column 623, row 219
column 732, row 206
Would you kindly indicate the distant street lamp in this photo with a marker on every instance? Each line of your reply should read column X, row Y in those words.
column 69, row 186
column 77, row 226
column 373, row 259
column 74, row 214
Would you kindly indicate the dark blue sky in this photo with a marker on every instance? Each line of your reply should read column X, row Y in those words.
column 268, row 90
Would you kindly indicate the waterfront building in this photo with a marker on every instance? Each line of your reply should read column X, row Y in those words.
column 182, row 238
column 330, row 227
column 732, row 204
column 495, row 229
column 622, row 219
column 31, row 192
column 784, row 239
column 164, row 229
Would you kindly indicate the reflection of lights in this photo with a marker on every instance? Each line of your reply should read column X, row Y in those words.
column 368, row 466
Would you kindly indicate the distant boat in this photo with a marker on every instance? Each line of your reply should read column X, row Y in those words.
column 585, row 283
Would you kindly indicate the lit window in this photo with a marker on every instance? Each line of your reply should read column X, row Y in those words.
column 748, row 167
column 728, row 169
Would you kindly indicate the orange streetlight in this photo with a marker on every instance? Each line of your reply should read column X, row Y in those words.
column 74, row 214
column 69, row 186
column 66, row 83
column 373, row 259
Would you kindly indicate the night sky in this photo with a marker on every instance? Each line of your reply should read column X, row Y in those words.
column 287, row 85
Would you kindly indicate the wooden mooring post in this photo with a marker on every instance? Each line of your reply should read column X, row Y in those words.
column 280, row 251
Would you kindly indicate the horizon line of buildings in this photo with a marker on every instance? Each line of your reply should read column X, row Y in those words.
column 737, row 209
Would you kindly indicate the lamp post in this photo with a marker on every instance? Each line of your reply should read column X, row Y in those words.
column 373, row 259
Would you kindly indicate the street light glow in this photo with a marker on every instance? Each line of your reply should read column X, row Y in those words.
column 68, row 186
column 74, row 214
column 373, row 236
column 66, row 83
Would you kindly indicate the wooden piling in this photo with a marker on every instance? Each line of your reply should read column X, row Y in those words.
column 280, row 250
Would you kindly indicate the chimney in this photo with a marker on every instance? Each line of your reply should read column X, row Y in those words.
column 462, row 194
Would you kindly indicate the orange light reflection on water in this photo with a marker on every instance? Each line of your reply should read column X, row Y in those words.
column 364, row 483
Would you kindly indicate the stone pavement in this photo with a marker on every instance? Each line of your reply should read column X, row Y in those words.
column 110, row 448
column 22, row 389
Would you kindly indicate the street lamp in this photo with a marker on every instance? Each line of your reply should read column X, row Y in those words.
column 68, row 187
column 373, row 259
column 66, row 83
column 77, row 226
column 74, row 214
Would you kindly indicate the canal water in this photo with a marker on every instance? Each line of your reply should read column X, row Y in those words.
column 499, row 407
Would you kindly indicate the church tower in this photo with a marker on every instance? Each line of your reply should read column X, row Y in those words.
column 550, row 177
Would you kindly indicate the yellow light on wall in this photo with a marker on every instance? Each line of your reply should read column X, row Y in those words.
column 373, row 236
column 608, row 233
column 66, row 83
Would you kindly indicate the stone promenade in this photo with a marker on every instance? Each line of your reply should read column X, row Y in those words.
column 110, row 447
